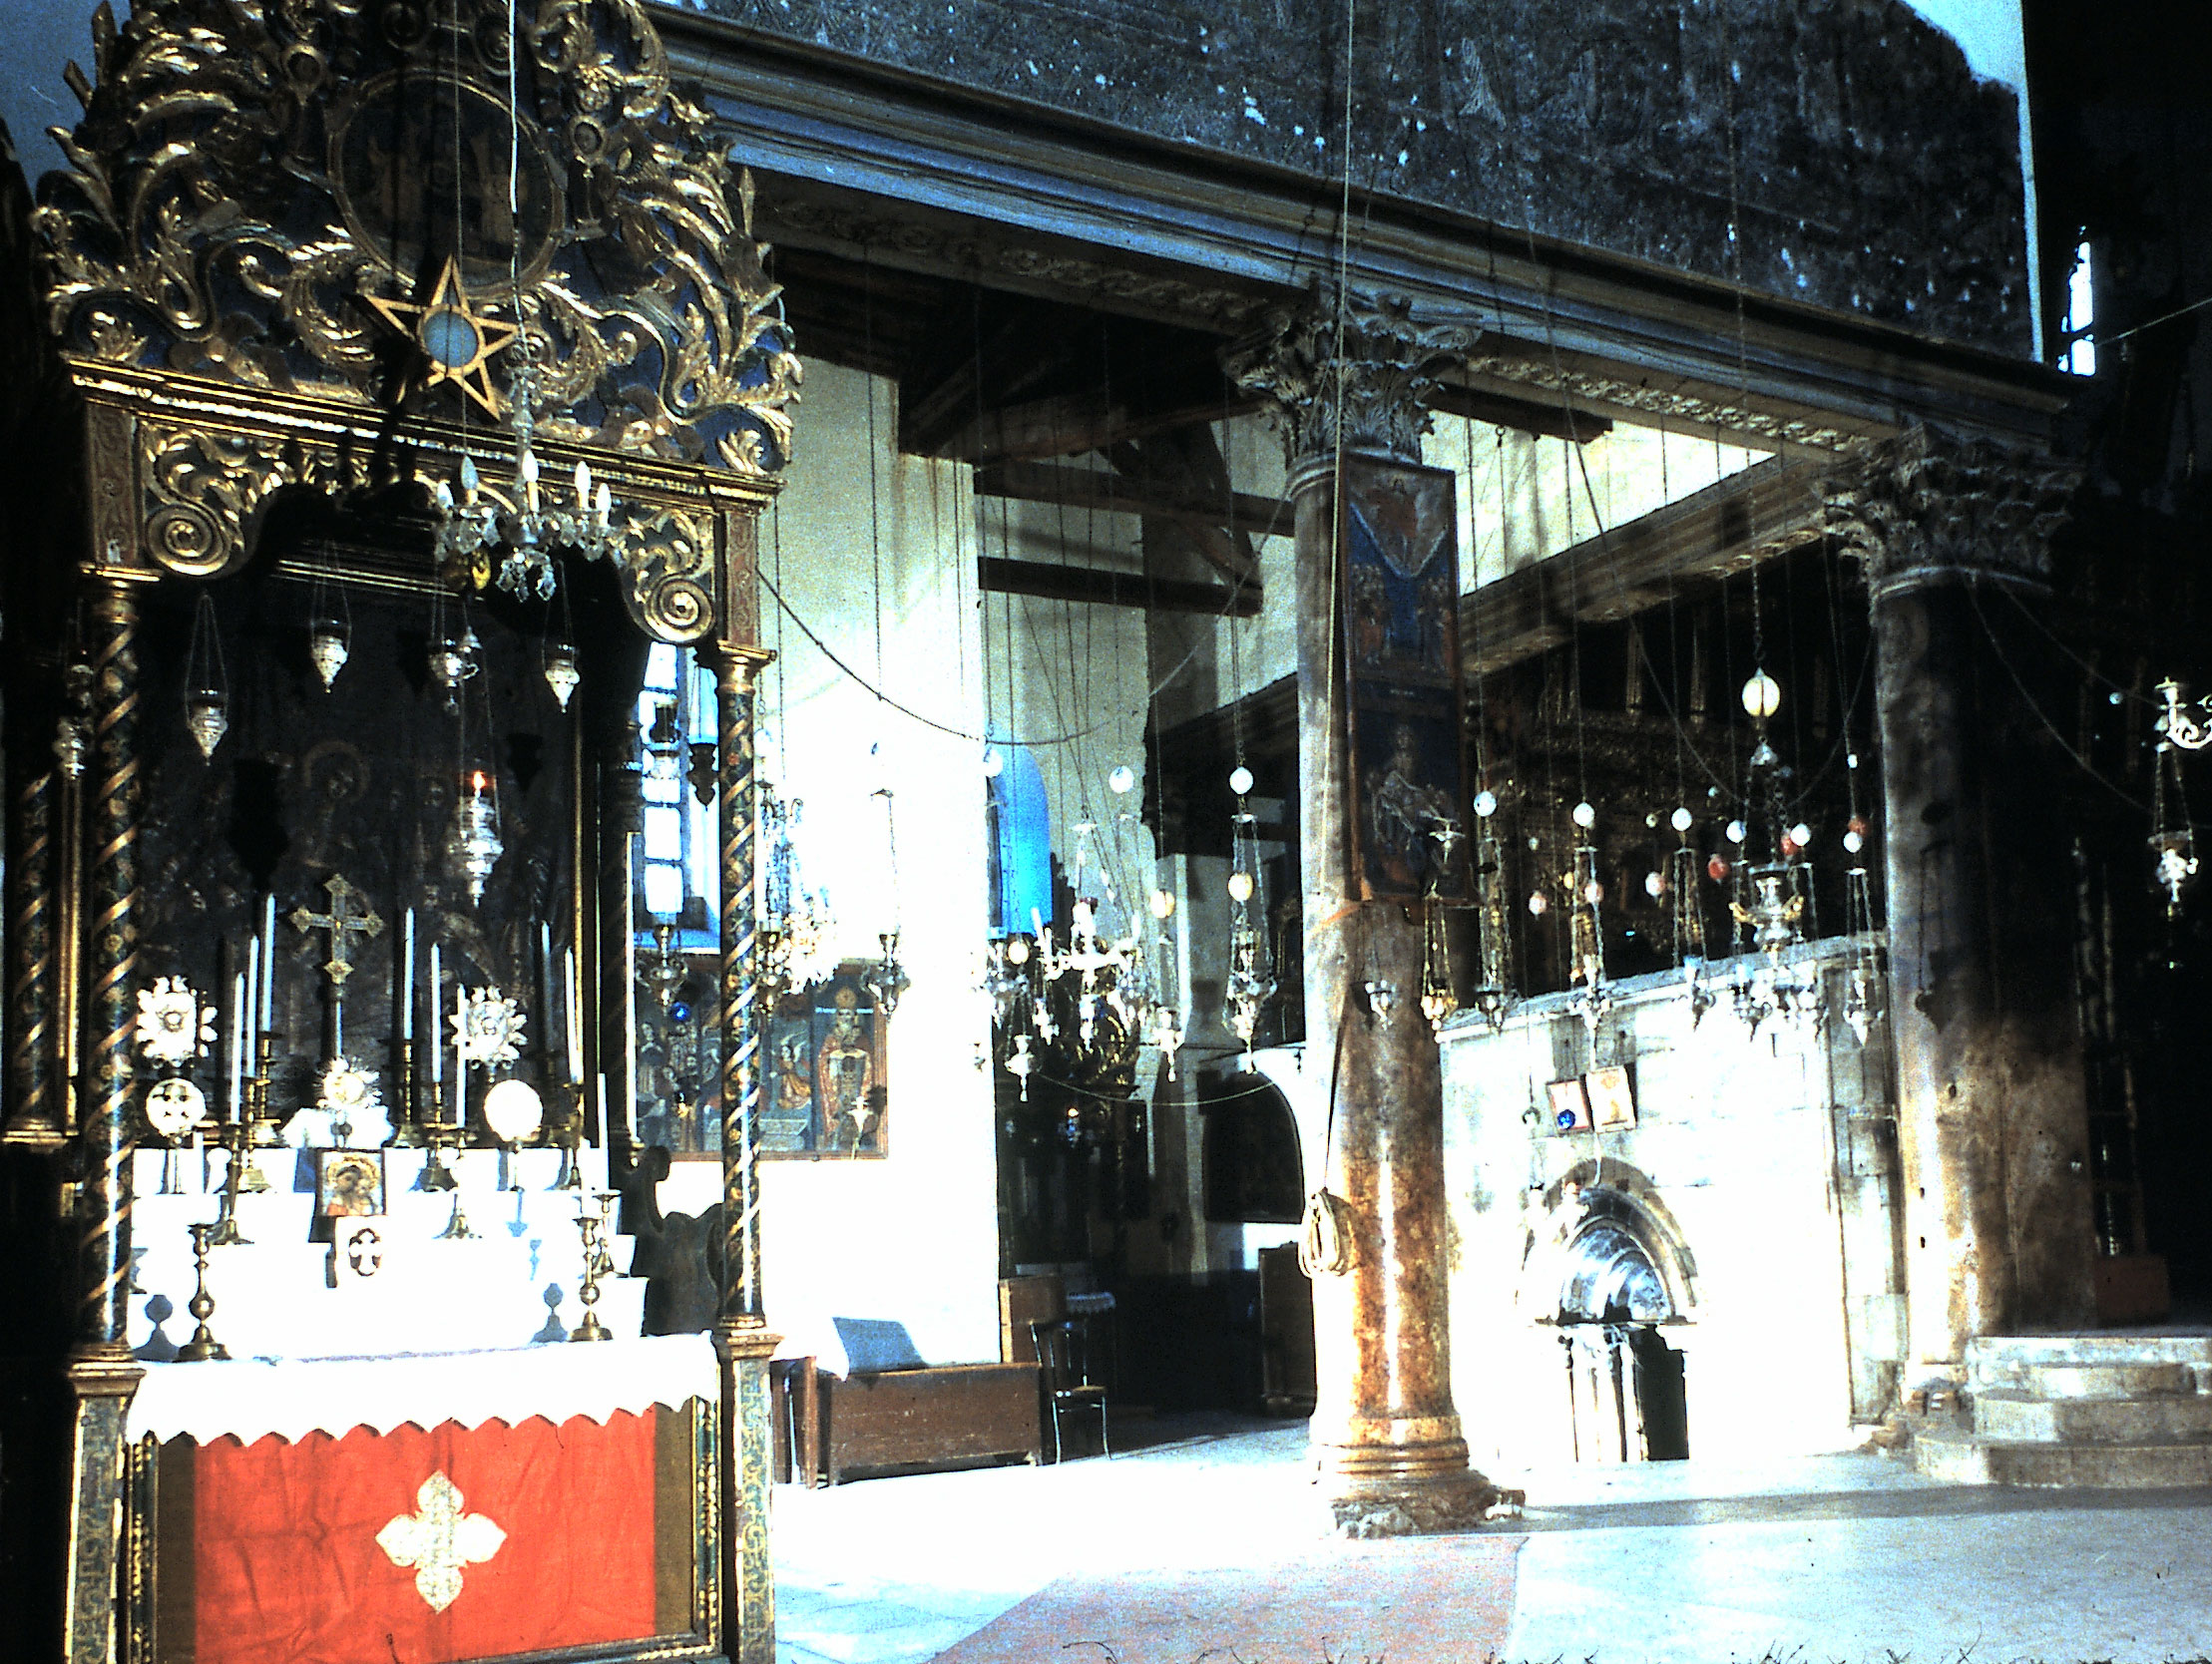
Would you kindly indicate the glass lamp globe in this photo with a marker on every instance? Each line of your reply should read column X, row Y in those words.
column 1123, row 780
column 1762, row 695
column 994, row 761
column 1485, row 803
column 1585, row 816
column 1681, row 820
column 1240, row 780
column 1240, row 886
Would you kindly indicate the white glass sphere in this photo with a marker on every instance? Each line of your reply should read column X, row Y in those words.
column 1584, row 815
column 994, row 760
column 1800, row 834
column 1735, row 831
column 1594, row 892
column 1123, row 780
column 1537, row 904
column 1485, row 803
column 1240, row 780
column 1762, row 695
column 1680, row 820
column 1655, row 884
column 1240, row 886
column 1164, row 905
column 1017, row 949
column 1853, row 843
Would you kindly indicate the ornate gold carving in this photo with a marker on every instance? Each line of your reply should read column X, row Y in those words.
column 221, row 215
column 666, row 557
column 205, row 486
column 1675, row 406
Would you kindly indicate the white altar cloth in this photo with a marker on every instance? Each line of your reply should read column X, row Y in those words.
column 252, row 1398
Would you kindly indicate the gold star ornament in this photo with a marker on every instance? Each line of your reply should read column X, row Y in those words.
column 457, row 342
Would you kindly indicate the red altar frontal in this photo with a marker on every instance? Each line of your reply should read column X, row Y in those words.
column 582, row 1522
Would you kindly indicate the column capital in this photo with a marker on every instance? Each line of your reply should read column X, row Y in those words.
column 1929, row 507
column 1364, row 388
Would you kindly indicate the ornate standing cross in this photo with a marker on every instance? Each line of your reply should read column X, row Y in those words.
column 341, row 921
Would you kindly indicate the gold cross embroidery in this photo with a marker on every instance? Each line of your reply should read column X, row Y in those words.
column 439, row 1541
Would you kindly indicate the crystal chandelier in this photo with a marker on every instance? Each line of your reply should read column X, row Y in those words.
column 517, row 539
column 795, row 924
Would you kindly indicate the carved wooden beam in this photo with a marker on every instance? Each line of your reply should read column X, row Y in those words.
column 1078, row 488
column 1100, row 587
column 1763, row 511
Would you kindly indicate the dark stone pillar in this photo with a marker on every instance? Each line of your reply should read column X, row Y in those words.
column 1386, row 1436
column 1991, row 1115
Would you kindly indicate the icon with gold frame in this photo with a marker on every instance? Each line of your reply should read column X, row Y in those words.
column 348, row 1183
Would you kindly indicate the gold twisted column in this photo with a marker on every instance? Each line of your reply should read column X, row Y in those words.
column 33, row 1118
column 102, row 1374
column 741, row 1334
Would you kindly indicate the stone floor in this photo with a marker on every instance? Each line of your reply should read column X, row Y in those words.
column 1202, row 1542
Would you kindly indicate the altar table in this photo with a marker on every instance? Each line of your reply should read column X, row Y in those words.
column 554, row 1499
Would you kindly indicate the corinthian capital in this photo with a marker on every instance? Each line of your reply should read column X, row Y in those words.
column 1359, row 377
column 1926, row 505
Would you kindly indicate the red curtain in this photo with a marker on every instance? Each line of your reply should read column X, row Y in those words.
column 287, row 1568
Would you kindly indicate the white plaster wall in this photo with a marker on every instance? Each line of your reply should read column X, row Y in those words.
column 1735, row 1136
column 913, row 1237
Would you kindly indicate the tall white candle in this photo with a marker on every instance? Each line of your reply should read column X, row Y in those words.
column 437, row 1014
column 407, row 975
column 252, row 991
column 460, row 1056
column 237, row 1042
column 268, row 961
column 576, row 1032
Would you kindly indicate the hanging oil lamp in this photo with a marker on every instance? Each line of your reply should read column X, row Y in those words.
column 327, row 648
column 560, row 672
column 207, row 699
column 452, row 662
column 474, row 845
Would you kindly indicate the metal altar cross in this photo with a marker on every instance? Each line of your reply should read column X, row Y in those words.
column 341, row 921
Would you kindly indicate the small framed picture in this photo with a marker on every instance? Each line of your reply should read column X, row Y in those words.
column 1612, row 1101
column 348, row 1183
column 1570, row 1105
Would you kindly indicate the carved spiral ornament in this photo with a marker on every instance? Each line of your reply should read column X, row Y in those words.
column 247, row 177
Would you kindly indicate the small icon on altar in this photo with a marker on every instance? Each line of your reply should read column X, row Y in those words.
column 348, row 1183
column 356, row 1250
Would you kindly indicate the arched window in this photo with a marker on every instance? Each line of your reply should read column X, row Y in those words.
column 1019, row 836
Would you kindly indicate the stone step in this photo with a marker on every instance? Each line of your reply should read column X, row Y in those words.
column 1969, row 1459
column 2100, row 1380
column 2016, row 1416
column 1999, row 1359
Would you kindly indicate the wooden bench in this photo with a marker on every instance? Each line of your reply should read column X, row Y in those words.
column 943, row 1416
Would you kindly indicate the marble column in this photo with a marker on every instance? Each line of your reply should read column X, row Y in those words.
column 741, row 1334
column 1977, row 859
column 1390, row 1455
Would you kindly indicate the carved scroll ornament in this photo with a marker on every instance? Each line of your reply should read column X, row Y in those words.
column 248, row 176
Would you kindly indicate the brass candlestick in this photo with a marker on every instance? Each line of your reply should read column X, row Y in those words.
column 266, row 1122
column 568, row 1136
column 436, row 1175
column 590, row 1225
column 203, row 1348
column 407, row 1132
column 234, row 1138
